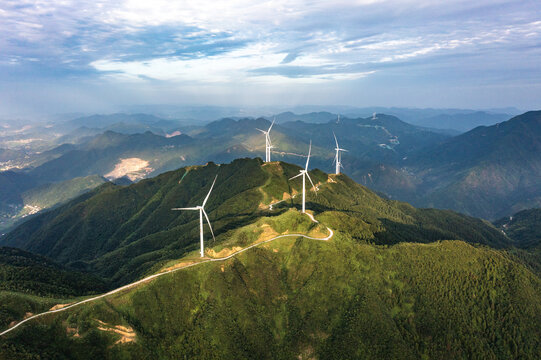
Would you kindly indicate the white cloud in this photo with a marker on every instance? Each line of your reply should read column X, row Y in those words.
column 238, row 42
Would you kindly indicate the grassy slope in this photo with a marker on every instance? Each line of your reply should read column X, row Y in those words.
column 340, row 299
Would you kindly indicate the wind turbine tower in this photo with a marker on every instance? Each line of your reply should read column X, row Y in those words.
column 338, row 156
column 268, row 144
column 304, row 174
column 202, row 212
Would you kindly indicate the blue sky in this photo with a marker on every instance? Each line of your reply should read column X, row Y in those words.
column 63, row 56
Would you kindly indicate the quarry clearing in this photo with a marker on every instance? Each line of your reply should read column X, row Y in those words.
column 132, row 168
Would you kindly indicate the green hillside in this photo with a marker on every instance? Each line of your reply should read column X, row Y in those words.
column 31, row 283
column 32, row 274
column 49, row 195
column 392, row 282
column 523, row 227
column 121, row 232
column 306, row 299
column 29, row 199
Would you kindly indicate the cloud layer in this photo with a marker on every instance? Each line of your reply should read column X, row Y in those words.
column 243, row 47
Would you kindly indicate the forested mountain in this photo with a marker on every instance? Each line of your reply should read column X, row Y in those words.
column 523, row 227
column 32, row 274
column 488, row 172
column 23, row 196
column 383, row 138
column 31, row 283
column 313, row 117
column 124, row 123
column 102, row 153
column 393, row 281
column 120, row 232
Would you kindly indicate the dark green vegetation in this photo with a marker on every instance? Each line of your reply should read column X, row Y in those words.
column 103, row 152
column 384, row 139
column 389, row 284
column 92, row 152
column 523, row 227
column 32, row 274
column 32, row 283
column 306, row 299
column 386, row 154
column 121, row 232
column 49, row 195
column 394, row 281
column 488, row 172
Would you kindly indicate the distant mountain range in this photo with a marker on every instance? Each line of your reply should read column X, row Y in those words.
column 488, row 172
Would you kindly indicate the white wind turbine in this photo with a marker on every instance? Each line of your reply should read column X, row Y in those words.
column 201, row 213
column 304, row 174
column 338, row 156
column 268, row 144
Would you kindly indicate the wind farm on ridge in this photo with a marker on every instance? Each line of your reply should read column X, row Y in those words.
column 268, row 147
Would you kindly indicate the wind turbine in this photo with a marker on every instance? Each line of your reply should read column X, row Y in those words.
column 268, row 145
column 304, row 174
column 338, row 156
column 202, row 212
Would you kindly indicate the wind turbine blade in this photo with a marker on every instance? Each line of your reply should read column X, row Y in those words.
column 205, row 201
column 309, row 178
column 296, row 176
column 190, row 208
column 208, row 222
column 308, row 159
column 343, row 150
column 263, row 131
column 335, row 140
column 271, row 125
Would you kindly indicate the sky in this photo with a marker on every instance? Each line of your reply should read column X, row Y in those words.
column 94, row 56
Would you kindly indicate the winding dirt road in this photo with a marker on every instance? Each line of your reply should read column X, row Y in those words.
column 149, row 278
